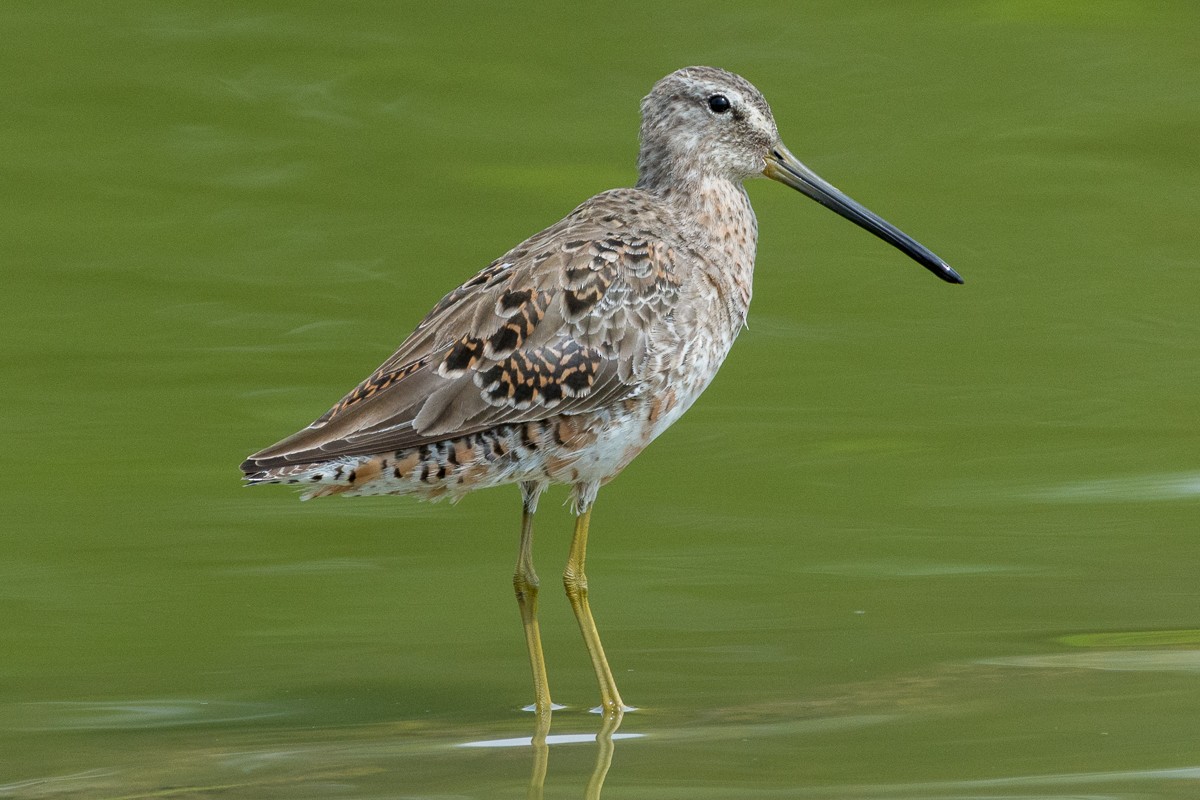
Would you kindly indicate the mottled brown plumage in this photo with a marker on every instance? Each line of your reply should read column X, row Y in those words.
column 565, row 357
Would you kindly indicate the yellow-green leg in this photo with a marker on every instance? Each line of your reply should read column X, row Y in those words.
column 575, row 581
column 525, row 584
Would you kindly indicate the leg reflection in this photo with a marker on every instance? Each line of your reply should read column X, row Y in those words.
column 604, row 754
column 541, row 755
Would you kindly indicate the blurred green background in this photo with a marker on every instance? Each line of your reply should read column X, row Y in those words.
column 917, row 541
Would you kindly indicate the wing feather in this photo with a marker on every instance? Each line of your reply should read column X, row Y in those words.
column 559, row 325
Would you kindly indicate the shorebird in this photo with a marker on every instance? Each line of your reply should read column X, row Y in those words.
column 566, row 356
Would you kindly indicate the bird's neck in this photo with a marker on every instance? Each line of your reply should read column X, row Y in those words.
column 717, row 217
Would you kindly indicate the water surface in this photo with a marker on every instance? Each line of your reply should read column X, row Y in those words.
column 917, row 541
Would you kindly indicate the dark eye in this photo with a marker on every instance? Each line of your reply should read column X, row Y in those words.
column 719, row 104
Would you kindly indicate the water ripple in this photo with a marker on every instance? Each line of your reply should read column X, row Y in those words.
column 1108, row 660
column 138, row 714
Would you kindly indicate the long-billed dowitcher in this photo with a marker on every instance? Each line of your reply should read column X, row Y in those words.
column 566, row 356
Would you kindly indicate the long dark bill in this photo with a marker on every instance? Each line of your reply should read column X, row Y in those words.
column 784, row 167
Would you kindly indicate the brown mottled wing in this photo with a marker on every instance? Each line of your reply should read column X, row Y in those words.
column 559, row 325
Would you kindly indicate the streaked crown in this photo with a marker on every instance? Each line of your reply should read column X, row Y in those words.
column 701, row 121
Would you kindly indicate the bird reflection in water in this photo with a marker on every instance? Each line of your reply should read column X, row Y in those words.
column 541, row 741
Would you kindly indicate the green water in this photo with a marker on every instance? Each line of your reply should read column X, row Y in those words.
column 917, row 541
